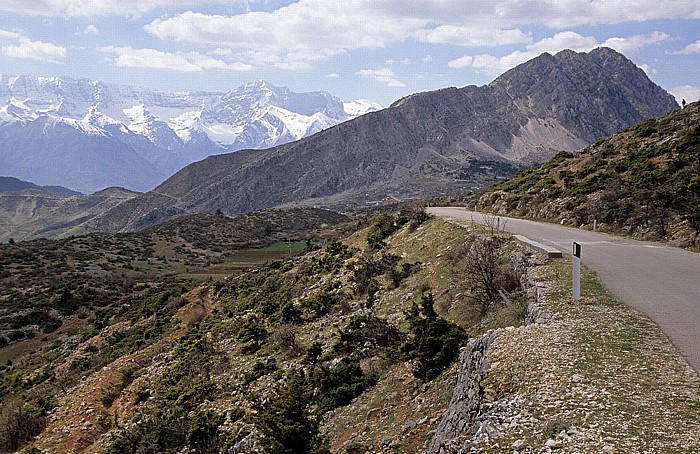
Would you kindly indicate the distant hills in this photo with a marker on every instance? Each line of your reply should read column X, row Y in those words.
column 642, row 182
column 89, row 135
column 427, row 144
column 32, row 213
column 8, row 184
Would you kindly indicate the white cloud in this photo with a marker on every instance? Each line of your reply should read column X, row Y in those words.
column 384, row 75
column 178, row 61
column 632, row 44
column 19, row 46
column 563, row 40
column 461, row 62
column 563, row 14
column 687, row 92
column 649, row 70
column 89, row 30
column 492, row 16
column 471, row 36
column 333, row 76
column 91, row 8
column 693, row 48
column 306, row 31
column 8, row 35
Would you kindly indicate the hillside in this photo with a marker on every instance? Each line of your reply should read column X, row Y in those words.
column 38, row 213
column 347, row 348
column 9, row 184
column 430, row 143
column 642, row 182
column 51, row 280
column 107, row 308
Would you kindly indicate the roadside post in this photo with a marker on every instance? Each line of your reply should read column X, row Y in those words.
column 576, row 273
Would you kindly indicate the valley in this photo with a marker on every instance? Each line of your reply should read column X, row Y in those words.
column 350, row 345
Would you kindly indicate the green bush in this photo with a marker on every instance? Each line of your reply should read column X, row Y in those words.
column 432, row 342
column 367, row 331
column 286, row 424
column 338, row 385
column 202, row 432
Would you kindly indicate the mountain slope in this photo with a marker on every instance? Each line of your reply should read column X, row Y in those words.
column 32, row 213
column 430, row 142
column 427, row 144
column 102, row 350
column 643, row 182
column 163, row 130
column 9, row 184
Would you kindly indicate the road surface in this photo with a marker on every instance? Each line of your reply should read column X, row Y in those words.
column 660, row 281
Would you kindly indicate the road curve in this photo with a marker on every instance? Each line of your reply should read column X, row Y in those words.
column 660, row 281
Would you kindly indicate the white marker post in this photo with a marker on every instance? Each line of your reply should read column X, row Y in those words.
column 576, row 273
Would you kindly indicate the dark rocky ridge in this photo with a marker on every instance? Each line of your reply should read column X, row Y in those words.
column 423, row 144
column 11, row 184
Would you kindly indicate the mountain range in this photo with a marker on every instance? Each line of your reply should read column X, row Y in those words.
column 428, row 144
column 89, row 135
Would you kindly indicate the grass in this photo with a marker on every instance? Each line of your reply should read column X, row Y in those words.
column 601, row 367
column 244, row 260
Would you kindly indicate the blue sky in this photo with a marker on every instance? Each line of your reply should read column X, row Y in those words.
column 380, row 50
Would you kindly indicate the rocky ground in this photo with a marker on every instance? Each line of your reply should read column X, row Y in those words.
column 589, row 377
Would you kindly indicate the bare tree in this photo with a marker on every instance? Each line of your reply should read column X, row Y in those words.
column 487, row 264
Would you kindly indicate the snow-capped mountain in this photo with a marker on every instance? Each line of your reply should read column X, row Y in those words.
column 76, row 132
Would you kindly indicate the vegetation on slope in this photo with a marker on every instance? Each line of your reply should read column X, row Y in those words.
column 643, row 182
column 42, row 282
column 257, row 362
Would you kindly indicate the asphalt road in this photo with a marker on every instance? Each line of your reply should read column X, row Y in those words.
column 660, row 281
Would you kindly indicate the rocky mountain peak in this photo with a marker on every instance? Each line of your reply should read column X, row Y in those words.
column 592, row 94
column 428, row 141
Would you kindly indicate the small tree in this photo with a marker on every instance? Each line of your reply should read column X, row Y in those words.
column 285, row 422
column 202, row 434
column 433, row 342
column 487, row 265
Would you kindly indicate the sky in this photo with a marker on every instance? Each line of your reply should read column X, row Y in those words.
column 379, row 50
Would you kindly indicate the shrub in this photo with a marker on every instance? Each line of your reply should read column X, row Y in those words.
column 202, row 432
column 340, row 384
column 285, row 422
column 18, row 425
column 432, row 342
column 489, row 270
column 253, row 334
column 367, row 330
column 314, row 351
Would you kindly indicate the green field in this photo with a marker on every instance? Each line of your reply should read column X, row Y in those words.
column 247, row 259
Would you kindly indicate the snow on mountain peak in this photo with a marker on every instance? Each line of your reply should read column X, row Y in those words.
column 360, row 107
column 172, row 129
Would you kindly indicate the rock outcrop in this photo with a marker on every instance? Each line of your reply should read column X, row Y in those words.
column 466, row 398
